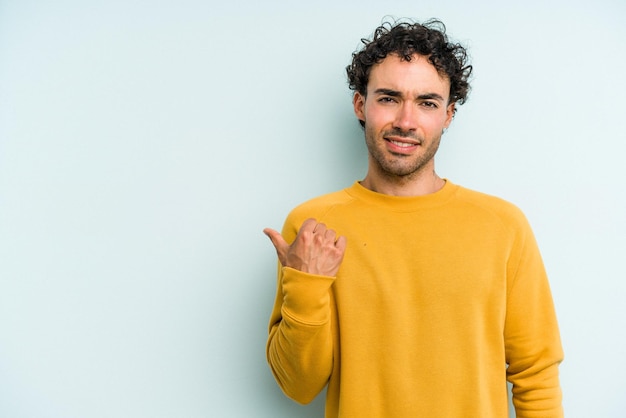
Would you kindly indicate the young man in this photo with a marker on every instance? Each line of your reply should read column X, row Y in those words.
column 424, row 297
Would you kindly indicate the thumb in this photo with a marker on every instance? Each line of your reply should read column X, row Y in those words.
column 279, row 243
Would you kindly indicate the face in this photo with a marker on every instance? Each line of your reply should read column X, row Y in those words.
column 405, row 112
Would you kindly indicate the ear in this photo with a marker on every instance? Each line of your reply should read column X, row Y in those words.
column 358, row 102
column 449, row 114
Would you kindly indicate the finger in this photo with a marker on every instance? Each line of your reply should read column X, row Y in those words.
column 341, row 243
column 321, row 229
column 308, row 225
column 279, row 243
column 275, row 237
column 330, row 235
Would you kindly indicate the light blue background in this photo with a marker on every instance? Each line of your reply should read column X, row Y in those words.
column 144, row 145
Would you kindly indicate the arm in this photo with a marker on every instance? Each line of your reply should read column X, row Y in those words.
column 299, row 347
column 533, row 345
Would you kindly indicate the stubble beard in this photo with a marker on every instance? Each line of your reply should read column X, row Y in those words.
column 398, row 166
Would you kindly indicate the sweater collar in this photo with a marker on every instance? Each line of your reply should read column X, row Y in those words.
column 403, row 203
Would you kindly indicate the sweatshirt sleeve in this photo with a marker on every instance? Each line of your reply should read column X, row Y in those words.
column 533, row 344
column 299, row 347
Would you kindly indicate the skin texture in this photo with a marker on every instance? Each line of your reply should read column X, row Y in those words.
column 405, row 112
column 316, row 249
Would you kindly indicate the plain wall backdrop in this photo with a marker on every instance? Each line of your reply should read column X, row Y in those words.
column 144, row 145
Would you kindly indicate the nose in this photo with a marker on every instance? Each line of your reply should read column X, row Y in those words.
column 406, row 117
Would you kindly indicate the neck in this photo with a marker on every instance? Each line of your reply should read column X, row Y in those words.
column 419, row 185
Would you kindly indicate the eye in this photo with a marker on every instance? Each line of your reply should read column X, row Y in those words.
column 386, row 99
column 431, row 105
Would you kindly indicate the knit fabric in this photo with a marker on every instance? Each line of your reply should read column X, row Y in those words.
column 439, row 300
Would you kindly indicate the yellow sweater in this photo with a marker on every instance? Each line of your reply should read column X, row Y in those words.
column 439, row 300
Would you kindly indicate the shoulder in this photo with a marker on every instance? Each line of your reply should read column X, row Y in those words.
column 321, row 204
column 316, row 207
column 489, row 205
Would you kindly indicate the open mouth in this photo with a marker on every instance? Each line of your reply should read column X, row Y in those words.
column 401, row 144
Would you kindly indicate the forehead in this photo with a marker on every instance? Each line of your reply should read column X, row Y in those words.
column 415, row 76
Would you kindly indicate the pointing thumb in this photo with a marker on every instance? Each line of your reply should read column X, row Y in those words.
column 279, row 243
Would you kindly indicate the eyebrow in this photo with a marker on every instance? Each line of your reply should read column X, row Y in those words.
column 430, row 96
column 395, row 93
column 388, row 92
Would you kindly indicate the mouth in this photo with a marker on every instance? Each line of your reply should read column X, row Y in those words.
column 401, row 145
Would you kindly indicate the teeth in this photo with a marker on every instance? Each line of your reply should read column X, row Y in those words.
column 401, row 144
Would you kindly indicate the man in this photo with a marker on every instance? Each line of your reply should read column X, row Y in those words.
column 406, row 294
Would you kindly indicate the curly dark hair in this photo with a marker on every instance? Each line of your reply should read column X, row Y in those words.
column 405, row 39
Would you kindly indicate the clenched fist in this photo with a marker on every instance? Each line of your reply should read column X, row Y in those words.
column 316, row 249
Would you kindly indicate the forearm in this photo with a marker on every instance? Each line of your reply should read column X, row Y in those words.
column 532, row 340
column 534, row 352
column 537, row 391
column 299, row 347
